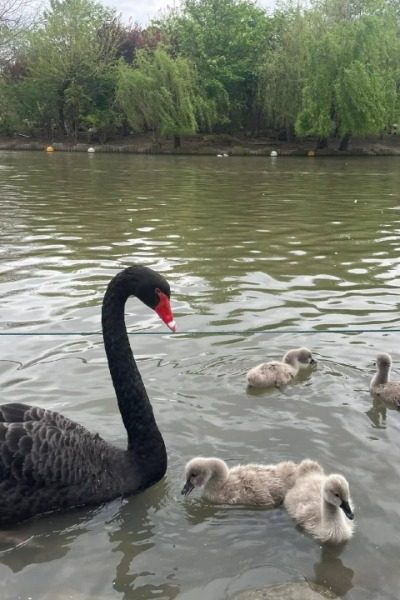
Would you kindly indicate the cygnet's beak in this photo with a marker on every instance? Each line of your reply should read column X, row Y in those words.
column 313, row 362
column 187, row 488
column 345, row 506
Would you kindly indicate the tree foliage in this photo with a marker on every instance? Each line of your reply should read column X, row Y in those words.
column 318, row 68
column 226, row 40
column 283, row 72
column 14, row 20
column 74, row 52
column 350, row 87
column 67, row 83
column 161, row 94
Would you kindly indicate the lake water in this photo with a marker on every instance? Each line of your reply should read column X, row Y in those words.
column 263, row 254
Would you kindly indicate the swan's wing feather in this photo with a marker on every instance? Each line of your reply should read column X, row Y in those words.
column 389, row 392
column 270, row 374
column 41, row 453
column 303, row 500
column 16, row 412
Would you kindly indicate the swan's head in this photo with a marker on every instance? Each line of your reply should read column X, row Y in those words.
column 383, row 362
column 336, row 492
column 200, row 470
column 300, row 357
column 153, row 290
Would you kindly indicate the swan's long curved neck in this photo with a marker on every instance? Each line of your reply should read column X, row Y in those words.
column 144, row 439
column 334, row 524
column 382, row 376
column 329, row 512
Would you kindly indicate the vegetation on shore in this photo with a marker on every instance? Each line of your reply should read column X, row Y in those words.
column 322, row 69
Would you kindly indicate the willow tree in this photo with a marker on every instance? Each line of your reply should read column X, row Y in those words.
column 69, row 57
column 350, row 88
column 283, row 72
column 15, row 19
column 161, row 94
column 225, row 40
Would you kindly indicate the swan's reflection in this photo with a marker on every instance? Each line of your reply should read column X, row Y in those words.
column 377, row 413
column 198, row 510
column 131, row 534
column 42, row 540
column 330, row 571
column 130, row 529
column 332, row 580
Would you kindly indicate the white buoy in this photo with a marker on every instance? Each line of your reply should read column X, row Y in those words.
column 274, row 153
column 91, row 150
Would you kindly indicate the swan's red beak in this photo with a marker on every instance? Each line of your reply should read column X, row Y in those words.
column 164, row 310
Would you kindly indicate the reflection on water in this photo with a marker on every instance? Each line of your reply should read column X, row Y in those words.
column 132, row 534
column 286, row 249
column 331, row 573
column 377, row 413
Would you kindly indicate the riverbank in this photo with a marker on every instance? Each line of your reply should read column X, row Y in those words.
column 386, row 145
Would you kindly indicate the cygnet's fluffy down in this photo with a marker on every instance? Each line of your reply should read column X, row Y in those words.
column 321, row 504
column 277, row 373
column 253, row 485
column 381, row 386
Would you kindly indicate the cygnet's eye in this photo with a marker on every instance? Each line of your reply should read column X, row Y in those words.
column 337, row 495
column 194, row 474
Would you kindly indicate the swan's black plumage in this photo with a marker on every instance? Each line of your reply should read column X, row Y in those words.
column 48, row 462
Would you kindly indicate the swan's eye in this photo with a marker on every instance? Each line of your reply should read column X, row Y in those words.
column 194, row 474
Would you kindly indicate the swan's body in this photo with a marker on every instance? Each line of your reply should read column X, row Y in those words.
column 48, row 462
column 252, row 485
column 321, row 504
column 278, row 373
column 381, row 386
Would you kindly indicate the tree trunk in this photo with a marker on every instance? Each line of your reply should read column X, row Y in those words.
column 344, row 142
column 322, row 143
column 177, row 141
column 61, row 106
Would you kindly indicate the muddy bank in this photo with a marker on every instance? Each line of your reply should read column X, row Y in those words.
column 214, row 145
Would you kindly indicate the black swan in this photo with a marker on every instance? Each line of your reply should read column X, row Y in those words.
column 48, row 462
